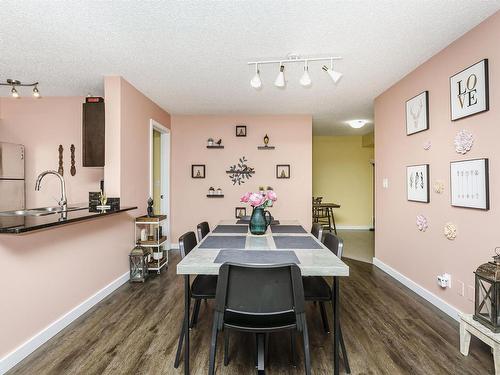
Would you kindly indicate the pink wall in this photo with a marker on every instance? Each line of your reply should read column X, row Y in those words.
column 51, row 272
column 128, row 115
column 292, row 136
column 41, row 125
column 422, row 256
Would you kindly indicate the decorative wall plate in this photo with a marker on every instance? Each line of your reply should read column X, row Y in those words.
column 450, row 231
column 427, row 145
column 438, row 187
column 463, row 141
column 421, row 222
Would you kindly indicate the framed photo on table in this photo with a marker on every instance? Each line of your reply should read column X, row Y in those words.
column 417, row 183
column 417, row 113
column 469, row 91
column 470, row 184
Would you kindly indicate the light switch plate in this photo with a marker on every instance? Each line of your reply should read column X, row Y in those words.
column 470, row 293
column 385, row 183
column 460, row 288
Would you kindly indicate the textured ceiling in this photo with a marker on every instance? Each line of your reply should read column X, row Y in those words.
column 190, row 56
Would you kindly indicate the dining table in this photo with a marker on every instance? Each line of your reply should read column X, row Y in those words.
column 285, row 241
column 328, row 207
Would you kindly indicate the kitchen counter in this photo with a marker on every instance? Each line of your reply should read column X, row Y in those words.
column 24, row 224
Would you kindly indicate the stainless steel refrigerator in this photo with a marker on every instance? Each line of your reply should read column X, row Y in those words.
column 12, row 188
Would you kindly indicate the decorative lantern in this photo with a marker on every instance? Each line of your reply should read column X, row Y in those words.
column 138, row 264
column 487, row 294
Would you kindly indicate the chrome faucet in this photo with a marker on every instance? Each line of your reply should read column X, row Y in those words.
column 63, row 203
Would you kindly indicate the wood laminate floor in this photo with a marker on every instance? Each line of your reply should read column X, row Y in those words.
column 387, row 328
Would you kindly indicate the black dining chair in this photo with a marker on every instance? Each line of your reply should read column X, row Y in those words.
column 275, row 302
column 202, row 229
column 202, row 288
column 316, row 289
column 317, row 231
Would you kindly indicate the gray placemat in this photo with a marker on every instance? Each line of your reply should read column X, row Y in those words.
column 287, row 229
column 244, row 221
column 223, row 242
column 296, row 242
column 231, row 229
column 256, row 257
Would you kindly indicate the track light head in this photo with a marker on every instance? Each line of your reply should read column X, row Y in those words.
column 334, row 75
column 305, row 80
column 14, row 92
column 36, row 93
column 256, row 82
column 280, row 79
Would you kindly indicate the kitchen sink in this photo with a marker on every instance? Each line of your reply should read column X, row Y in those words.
column 42, row 211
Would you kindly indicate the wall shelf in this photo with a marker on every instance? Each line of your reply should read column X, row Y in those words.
column 215, row 146
column 215, row 195
column 265, row 147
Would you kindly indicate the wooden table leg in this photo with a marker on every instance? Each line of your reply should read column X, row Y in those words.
column 333, row 221
column 336, row 325
column 187, row 300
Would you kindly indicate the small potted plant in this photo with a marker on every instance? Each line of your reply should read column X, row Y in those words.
column 219, row 191
column 210, row 142
column 211, row 191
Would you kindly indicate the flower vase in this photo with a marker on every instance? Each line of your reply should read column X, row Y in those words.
column 259, row 221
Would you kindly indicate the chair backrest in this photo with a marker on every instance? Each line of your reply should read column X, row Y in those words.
column 203, row 229
column 334, row 243
column 187, row 242
column 274, row 289
column 317, row 231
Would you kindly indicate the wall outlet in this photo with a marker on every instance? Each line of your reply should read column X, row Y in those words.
column 444, row 280
column 385, row 183
column 470, row 293
column 460, row 288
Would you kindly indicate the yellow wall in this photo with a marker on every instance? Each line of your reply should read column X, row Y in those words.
column 156, row 171
column 342, row 173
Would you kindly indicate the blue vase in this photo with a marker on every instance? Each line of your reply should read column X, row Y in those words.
column 259, row 221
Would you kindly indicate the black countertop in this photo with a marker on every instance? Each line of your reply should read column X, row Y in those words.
column 23, row 224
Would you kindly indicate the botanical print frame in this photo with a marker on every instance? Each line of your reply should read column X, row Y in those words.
column 417, row 113
column 417, row 183
column 198, row 171
column 469, row 183
column 283, row 171
column 469, row 91
column 241, row 130
column 240, row 212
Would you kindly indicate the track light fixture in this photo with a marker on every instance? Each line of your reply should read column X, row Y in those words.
column 255, row 82
column 13, row 83
column 305, row 79
column 280, row 79
column 334, row 75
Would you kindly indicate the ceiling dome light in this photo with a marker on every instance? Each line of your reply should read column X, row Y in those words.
column 357, row 124
column 36, row 93
column 14, row 93
column 255, row 82
column 334, row 75
column 280, row 79
column 305, row 80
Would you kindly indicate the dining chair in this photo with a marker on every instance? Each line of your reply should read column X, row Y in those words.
column 316, row 289
column 202, row 288
column 317, row 231
column 320, row 214
column 275, row 302
column 202, row 229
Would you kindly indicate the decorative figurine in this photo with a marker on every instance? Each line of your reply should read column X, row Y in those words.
column 210, row 142
column 60, row 170
column 219, row 142
column 150, row 207
column 266, row 140
column 73, row 168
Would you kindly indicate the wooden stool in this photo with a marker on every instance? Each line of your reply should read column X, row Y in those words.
column 468, row 327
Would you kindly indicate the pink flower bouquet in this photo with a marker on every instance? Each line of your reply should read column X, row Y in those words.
column 261, row 199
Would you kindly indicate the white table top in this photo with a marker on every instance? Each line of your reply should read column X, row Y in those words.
column 313, row 262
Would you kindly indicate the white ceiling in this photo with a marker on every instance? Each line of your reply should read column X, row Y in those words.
column 190, row 56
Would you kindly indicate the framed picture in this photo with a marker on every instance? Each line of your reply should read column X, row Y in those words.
column 469, row 93
column 417, row 113
column 283, row 171
column 470, row 184
column 241, row 130
column 417, row 183
column 198, row 171
column 240, row 212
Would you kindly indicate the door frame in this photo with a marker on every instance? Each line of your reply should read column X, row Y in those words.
column 164, row 171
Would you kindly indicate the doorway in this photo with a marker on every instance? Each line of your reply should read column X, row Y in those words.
column 159, row 180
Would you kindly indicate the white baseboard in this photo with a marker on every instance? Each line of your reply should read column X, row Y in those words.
column 354, row 227
column 28, row 347
column 421, row 291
